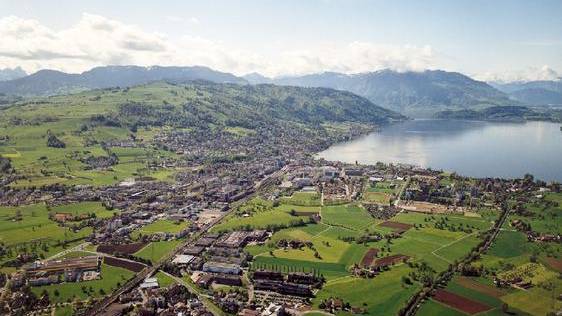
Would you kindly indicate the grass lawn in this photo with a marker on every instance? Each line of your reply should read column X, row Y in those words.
column 163, row 226
column 509, row 244
column 329, row 270
column 64, row 311
column 303, row 199
column 156, row 250
column 433, row 308
column 388, row 187
column 349, row 216
column 535, row 301
column 85, row 208
column 377, row 197
column 258, row 220
column 76, row 254
column 35, row 232
column 111, row 276
column 459, row 249
column 164, row 280
column 383, row 295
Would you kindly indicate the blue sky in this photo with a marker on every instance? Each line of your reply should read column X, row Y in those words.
column 486, row 39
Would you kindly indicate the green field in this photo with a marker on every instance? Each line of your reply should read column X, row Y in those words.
column 509, row 244
column 302, row 199
column 43, row 165
column 388, row 187
column 333, row 257
column 511, row 255
column 260, row 214
column 347, row 216
column 157, row 250
column 111, row 277
column 34, row 232
column 377, row 197
column 161, row 226
column 383, row 295
column 85, row 208
column 164, row 280
column 433, row 308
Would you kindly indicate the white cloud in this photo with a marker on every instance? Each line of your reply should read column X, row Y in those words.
column 96, row 40
column 523, row 75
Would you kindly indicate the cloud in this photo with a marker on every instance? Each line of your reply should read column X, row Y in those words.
column 523, row 75
column 96, row 40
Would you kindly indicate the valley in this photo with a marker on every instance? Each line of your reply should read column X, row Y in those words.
column 156, row 191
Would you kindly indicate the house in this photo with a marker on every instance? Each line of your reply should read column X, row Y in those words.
column 63, row 217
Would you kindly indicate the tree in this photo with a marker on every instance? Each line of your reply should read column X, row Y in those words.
column 56, row 292
column 406, row 280
column 505, row 308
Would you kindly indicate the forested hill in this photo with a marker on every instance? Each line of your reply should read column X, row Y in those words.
column 201, row 104
column 51, row 82
column 503, row 114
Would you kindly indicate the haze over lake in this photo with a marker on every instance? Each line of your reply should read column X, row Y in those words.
column 478, row 149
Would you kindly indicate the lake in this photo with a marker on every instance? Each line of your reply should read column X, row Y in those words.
column 470, row 148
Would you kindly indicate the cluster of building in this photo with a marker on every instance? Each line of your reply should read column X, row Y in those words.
column 152, row 300
column 218, row 259
column 292, row 283
column 63, row 270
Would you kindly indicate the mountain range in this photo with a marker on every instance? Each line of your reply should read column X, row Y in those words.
column 533, row 92
column 49, row 82
column 412, row 93
column 416, row 94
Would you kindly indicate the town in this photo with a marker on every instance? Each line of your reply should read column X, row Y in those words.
column 225, row 238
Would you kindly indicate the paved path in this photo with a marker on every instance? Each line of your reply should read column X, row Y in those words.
column 67, row 251
column 449, row 244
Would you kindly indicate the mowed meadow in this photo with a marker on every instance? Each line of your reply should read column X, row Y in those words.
column 512, row 255
column 28, row 228
column 334, row 246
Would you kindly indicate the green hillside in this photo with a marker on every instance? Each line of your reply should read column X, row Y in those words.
column 104, row 136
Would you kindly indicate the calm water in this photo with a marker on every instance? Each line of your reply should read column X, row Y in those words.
column 477, row 149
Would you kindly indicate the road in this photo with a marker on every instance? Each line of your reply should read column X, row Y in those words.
column 99, row 307
column 406, row 184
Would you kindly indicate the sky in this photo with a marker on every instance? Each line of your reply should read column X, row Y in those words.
column 502, row 40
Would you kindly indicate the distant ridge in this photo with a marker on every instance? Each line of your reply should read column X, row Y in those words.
column 411, row 93
column 543, row 92
column 49, row 82
column 11, row 73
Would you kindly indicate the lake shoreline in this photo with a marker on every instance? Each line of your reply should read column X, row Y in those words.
column 469, row 147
